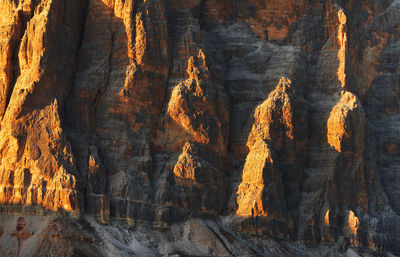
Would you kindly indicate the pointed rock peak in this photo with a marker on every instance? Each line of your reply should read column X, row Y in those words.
column 189, row 147
column 285, row 85
column 197, row 66
column 342, row 17
column 350, row 100
column 339, row 127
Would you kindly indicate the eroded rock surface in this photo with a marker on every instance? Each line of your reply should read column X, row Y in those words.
column 37, row 165
column 280, row 116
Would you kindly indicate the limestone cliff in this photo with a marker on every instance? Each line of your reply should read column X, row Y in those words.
column 260, row 118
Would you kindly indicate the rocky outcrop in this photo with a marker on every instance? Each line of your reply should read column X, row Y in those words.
column 116, row 100
column 279, row 117
column 193, row 132
column 37, row 166
column 346, row 134
column 272, row 173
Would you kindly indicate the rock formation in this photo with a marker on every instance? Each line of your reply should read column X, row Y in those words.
column 37, row 164
column 272, row 173
column 228, row 124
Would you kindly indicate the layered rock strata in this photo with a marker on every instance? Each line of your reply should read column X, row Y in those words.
column 37, row 164
column 281, row 116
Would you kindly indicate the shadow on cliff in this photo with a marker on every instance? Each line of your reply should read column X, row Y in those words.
column 116, row 101
column 268, row 194
column 265, row 200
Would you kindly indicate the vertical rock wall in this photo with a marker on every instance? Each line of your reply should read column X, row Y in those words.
column 281, row 115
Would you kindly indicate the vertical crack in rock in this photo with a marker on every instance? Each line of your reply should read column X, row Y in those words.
column 108, row 70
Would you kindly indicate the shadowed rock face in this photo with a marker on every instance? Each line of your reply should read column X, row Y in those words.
column 281, row 116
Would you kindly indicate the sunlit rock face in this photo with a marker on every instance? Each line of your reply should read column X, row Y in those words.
column 37, row 164
column 279, row 117
column 272, row 173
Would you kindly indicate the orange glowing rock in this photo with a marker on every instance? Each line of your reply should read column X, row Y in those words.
column 141, row 40
column 340, row 122
column 276, row 123
column 342, row 38
column 194, row 113
column 259, row 163
column 36, row 159
column 326, row 218
column 157, row 110
column 353, row 223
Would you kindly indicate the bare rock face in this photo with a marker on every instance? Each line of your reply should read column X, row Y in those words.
column 193, row 132
column 37, row 165
column 279, row 118
column 115, row 104
column 197, row 109
column 272, row 173
column 346, row 134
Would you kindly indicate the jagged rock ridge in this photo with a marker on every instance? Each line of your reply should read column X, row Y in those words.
column 281, row 116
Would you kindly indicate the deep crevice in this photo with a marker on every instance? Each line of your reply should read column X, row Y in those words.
column 79, row 48
column 101, row 92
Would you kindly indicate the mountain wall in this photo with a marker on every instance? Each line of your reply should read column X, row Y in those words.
column 279, row 117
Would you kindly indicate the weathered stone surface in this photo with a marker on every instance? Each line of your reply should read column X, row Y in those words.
column 194, row 183
column 272, row 173
column 37, row 166
column 117, row 97
column 281, row 116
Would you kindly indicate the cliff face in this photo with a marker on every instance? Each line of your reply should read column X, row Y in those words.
column 280, row 116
